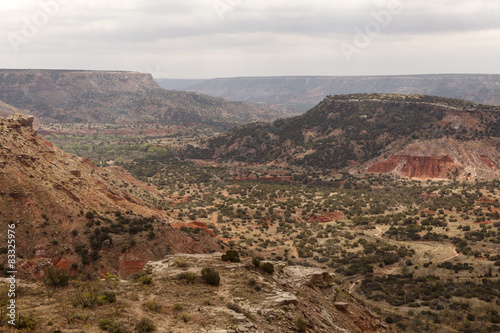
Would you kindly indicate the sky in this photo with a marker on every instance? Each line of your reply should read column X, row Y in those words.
column 230, row 38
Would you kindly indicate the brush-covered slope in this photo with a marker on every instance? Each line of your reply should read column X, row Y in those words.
column 58, row 96
column 303, row 92
column 412, row 135
column 74, row 215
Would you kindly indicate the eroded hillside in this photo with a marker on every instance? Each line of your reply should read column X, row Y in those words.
column 74, row 215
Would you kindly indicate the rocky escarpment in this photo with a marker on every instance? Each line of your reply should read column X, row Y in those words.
column 291, row 299
column 444, row 159
column 64, row 96
column 416, row 166
column 71, row 214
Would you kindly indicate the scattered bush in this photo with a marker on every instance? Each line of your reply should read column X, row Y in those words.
column 300, row 324
column 26, row 323
column 235, row 307
column 180, row 263
column 56, row 277
column 188, row 276
column 146, row 280
column 256, row 262
column 86, row 294
column 145, row 325
column 210, row 276
column 178, row 306
column 106, row 297
column 231, row 256
column 112, row 326
column 153, row 305
column 267, row 267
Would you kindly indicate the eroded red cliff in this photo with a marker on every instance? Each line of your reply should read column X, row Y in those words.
column 444, row 159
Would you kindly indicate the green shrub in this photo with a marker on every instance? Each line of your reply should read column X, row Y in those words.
column 300, row 324
column 90, row 215
column 86, row 294
column 210, row 276
column 146, row 279
column 145, row 325
column 267, row 267
column 256, row 262
column 56, row 277
column 188, row 276
column 106, row 297
column 153, row 305
column 234, row 307
column 27, row 323
column 231, row 256
column 180, row 263
column 112, row 326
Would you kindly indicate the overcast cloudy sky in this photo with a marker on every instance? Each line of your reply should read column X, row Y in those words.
column 225, row 38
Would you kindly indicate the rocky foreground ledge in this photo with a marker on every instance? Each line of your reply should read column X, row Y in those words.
column 292, row 299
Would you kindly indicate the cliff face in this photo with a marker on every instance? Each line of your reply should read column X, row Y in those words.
column 444, row 159
column 416, row 166
column 74, row 215
column 57, row 96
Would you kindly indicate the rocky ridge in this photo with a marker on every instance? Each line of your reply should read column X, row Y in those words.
column 412, row 136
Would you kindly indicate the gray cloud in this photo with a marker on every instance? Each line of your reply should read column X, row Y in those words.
column 208, row 38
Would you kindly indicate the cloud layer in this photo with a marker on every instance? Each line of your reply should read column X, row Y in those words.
column 214, row 38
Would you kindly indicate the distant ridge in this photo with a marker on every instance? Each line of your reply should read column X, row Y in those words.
column 414, row 136
column 301, row 93
column 115, row 97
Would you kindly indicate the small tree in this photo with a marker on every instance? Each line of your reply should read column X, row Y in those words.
column 231, row 255
column 267, row 267
column 210, row 276
column 56, row 277
column 300, row 324
column 256, row 262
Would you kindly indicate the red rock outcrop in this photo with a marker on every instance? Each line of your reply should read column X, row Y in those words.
column 416, row 166
column 444, row 158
